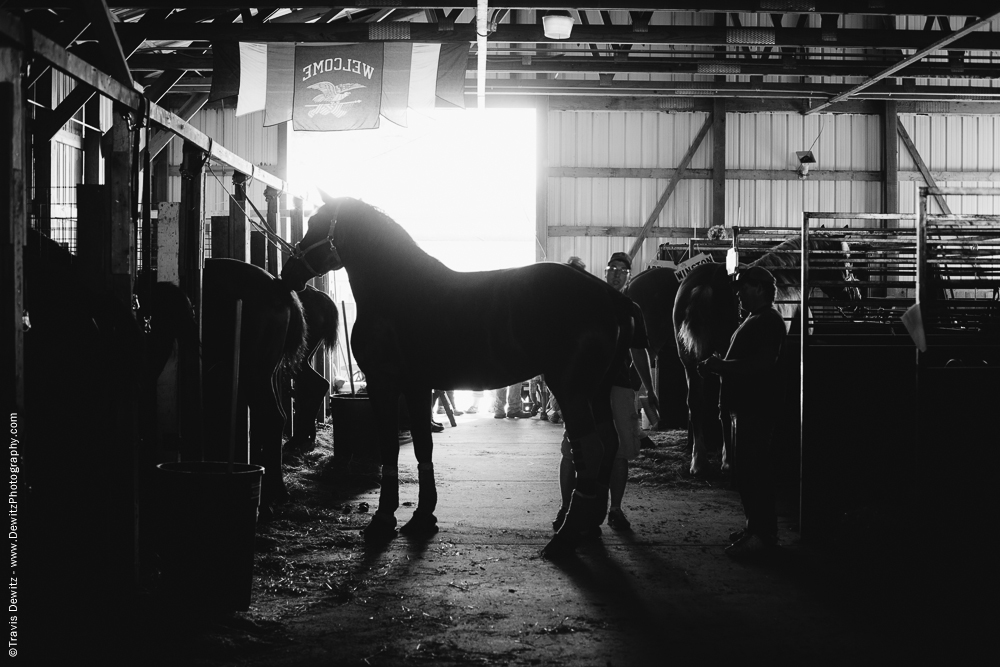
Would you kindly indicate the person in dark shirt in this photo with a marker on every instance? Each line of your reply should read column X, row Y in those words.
column 751, row 386
column 634, row 367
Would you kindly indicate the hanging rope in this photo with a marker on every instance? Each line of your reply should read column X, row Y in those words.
column 270, row 235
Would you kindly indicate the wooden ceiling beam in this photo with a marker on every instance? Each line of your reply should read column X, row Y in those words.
column 102, row 21
column 532, row 33
column 885, row 7
column 632, row 64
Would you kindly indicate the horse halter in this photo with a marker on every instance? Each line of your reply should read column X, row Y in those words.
column 300, row 252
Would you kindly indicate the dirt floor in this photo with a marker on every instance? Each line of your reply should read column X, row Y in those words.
column 478, row 592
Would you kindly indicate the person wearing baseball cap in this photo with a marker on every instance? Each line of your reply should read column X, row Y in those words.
column 751, row 385
column 633, row 374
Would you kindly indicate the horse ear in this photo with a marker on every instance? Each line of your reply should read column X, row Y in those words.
column 327, row 199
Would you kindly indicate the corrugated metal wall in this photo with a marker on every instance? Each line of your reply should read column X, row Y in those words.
column 621, row 139
column 763, row 141
column 952, row 144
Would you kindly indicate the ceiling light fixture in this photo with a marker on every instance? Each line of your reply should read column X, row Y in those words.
column 806, row 158
column 557, row 25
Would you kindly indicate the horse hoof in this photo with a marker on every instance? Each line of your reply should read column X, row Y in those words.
column 421, row 525
column 380, row 529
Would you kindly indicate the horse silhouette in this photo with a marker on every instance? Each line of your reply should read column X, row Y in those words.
column 706, row 314
column 423, row 326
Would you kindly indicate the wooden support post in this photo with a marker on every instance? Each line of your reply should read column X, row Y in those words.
column 271, row 195
column 258, row 249
column 221, row 243
column 542, row 179
column 92, row 141
column 41, row 154
column 168, row 385
column 239, row 233
column 13, row 198
column 118, row 175
column 191, row 234
column 168, row 239
column 719, row 163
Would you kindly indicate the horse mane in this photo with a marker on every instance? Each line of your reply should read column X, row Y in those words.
column 381, row 234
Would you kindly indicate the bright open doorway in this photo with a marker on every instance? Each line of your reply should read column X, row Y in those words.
column 462, row 183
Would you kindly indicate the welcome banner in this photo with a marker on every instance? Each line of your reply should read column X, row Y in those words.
column 337, row 87
column 271, row 78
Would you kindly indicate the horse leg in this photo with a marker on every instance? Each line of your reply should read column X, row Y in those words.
column 605, row 424
column 588, row 457
column 385, row 405
column 266, row 422
column 310, row 389
column 696, row 417
column 423, row 524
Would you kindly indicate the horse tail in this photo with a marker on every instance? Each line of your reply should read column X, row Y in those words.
column 694, row 332
column 329, row 325
column 295, row 336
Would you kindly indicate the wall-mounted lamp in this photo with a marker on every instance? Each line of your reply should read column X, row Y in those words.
column 806, row 158
column 557, row 25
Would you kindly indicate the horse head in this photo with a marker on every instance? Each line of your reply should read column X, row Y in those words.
column 316, row 254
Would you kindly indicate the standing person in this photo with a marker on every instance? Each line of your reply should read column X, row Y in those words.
column 511, row 398
column 623, row 401
column 751, row 386
column 474, row 408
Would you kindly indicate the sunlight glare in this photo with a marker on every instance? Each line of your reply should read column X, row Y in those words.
column 462, row 183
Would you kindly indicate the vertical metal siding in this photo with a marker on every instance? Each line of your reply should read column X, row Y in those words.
column 621, row 139
column 952, row 143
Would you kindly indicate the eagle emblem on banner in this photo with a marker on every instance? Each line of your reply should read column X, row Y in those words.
column 331, row 98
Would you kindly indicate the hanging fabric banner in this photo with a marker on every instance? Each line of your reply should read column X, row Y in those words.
column 337, row 87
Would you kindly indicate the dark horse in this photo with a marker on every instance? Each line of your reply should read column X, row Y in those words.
column 654, row 291
column 309, row 387
column 422, row 326
column 706, row 313
column 271, row 340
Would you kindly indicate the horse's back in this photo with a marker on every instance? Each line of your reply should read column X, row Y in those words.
column 490, row 328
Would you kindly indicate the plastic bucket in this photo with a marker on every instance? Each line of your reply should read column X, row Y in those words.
column 355, row 444
column 207, row 524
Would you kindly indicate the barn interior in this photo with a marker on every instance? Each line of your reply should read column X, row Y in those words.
column 676, row 132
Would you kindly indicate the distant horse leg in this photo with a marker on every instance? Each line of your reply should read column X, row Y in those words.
column 423, row 523
column 266, row 423
column 696, row 416
column 310, row 389
column 385, row 405
column 728, row 451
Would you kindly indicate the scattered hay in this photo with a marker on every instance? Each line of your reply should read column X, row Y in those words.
column 669, row 461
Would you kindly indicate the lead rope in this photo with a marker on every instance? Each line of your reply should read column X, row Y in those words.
column 262, row 226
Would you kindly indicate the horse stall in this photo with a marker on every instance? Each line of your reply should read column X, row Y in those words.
column 896, row 392
column 94, row 411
